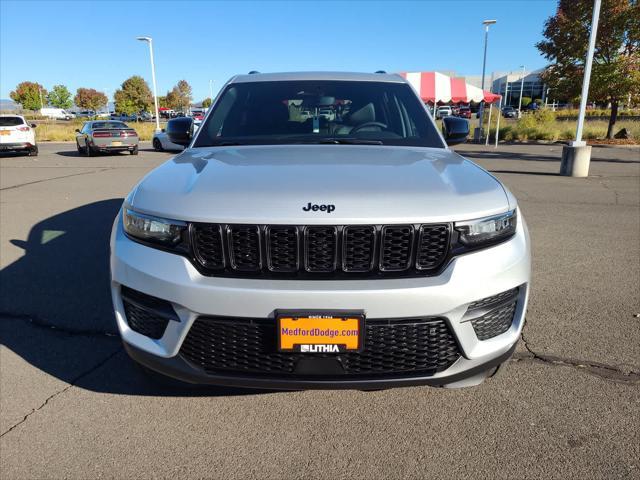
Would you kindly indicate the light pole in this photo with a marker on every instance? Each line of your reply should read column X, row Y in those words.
column 478, row 133
column 149, row 40
column 577, row 156
column 521, row 89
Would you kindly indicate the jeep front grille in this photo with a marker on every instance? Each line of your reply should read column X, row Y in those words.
column 288, row 251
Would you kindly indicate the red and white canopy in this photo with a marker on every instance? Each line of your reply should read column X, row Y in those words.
column 435, row 86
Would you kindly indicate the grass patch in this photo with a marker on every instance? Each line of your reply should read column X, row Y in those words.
column 66, row 131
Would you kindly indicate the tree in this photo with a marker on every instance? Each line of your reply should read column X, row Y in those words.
column 30, row 95
column 179, row 98
column 526, row 101
column 616, row 63
column 90, row 99
column 172, row 99
column 60, row 97
column 134, row 96
column 206, row 103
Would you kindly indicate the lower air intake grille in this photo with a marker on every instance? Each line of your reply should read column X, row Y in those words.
column 493, row 316
column 145, row 314
column 420, row 347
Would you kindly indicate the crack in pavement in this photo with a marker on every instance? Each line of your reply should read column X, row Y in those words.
column 600, row 370
column 55, row 178
column 72, row 384
column 40, row 323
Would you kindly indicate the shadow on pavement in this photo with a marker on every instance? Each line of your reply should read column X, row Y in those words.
column 516, row 172
column 532, row 157
column 55, row 307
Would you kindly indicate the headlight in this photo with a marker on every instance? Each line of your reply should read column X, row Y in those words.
column 153, row 229
column 487, row 230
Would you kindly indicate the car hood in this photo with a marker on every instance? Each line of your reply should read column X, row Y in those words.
column 365, row 184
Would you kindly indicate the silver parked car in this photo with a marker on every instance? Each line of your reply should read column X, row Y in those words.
column 292, row 251
column 106, row 136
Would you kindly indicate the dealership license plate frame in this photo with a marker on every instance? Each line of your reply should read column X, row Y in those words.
column 329, row 318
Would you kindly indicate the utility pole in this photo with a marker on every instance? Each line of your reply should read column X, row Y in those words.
column 521, row 89
column 577, row 156
column 477, row 134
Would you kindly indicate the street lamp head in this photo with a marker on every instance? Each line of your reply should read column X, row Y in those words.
column 489, row 22
column 144, row 39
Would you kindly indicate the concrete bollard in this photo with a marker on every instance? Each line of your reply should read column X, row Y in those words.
column 575, row 161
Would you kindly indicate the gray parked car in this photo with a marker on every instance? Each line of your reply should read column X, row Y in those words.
column 106, row 136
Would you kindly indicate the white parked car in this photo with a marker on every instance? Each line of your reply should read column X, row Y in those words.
column 161, row 140
column 16, row 135
column 445, row 111
column 57, row 113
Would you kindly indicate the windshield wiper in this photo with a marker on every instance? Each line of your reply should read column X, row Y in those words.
column 343, row 141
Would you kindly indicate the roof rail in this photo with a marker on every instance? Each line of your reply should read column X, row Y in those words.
column 253, row 72
column 380, row 71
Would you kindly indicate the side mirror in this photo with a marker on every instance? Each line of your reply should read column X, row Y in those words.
column 180, row 130
column 163, row 130
column 77, row 130
column 455, row 130
column 33, row 125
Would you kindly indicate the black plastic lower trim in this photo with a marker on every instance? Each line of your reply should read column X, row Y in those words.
column 176, row 367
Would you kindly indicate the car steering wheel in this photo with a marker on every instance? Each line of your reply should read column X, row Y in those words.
column 368, row 124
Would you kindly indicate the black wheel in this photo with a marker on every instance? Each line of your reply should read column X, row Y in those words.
column 33, row 151
column 80, row 150
column 134, row 151
column 87, row 150
column 157, row 145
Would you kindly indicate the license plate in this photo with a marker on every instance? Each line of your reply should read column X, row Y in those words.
column 116, row 144
column 5, row 132
column 313, row 332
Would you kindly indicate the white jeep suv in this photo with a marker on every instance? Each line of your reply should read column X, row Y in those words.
column 317, row 232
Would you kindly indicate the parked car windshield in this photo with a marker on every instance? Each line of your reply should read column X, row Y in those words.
column 10, row 121
column 293, row 112
column 109, row 125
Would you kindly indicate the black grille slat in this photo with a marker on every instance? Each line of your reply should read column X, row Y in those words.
column 294, row 251
column 358, row 244
column 320, row 249
column 244, row 247
column 282, row 249
column 411, row 346
column 207, row 245
column 396, row 246
column 433, row 243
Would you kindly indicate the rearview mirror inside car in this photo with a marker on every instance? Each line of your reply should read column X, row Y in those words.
column 180, row 130
column 455, row 130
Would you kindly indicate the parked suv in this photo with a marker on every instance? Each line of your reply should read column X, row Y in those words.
column 291, row 251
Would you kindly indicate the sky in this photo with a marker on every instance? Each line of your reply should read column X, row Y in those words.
column 92, row 43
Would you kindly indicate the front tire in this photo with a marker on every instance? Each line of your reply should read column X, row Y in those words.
column 157, row 145
column 87, row 151
column 134, row 151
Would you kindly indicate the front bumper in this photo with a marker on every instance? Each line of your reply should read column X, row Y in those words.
column 16, row 147
column 467, row 279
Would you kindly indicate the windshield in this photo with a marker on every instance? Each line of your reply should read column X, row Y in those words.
column 109, row 125
column 10, row 121
column 293, row 112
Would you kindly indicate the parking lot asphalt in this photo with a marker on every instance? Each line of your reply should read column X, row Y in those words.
column 73, row 406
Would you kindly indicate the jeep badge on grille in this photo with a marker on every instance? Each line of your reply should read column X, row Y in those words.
column 322, row 208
